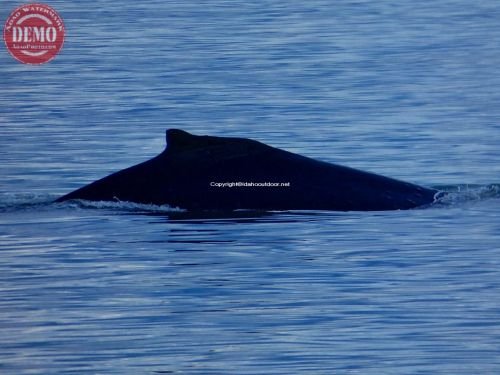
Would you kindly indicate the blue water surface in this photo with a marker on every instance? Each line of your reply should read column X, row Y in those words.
column 402, row 88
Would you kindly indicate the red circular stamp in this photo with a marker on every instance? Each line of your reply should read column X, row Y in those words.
column 34, row 33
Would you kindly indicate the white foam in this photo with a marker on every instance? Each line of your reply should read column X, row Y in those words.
column 460, row 194
column 122, row 206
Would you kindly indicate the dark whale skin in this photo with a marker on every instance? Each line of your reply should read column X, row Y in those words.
column 185, row 175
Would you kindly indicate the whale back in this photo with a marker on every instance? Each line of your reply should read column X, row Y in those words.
column 189, row 173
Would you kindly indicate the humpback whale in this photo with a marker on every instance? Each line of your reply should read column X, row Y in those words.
column 222, row 173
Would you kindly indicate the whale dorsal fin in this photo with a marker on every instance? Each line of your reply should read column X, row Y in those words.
column 179, row 139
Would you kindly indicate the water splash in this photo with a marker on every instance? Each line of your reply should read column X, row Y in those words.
column 457, row 195
column 10, row 202
column 119, row 206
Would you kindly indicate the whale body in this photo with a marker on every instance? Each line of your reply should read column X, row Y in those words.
column 222, row 173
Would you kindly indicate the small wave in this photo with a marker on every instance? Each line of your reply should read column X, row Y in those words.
column 455, row 195
column 10, row 202
column 120, row 206
column 14, row 202
column 465, row 193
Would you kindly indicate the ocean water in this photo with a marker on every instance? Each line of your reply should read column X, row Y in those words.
column 402, row 88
